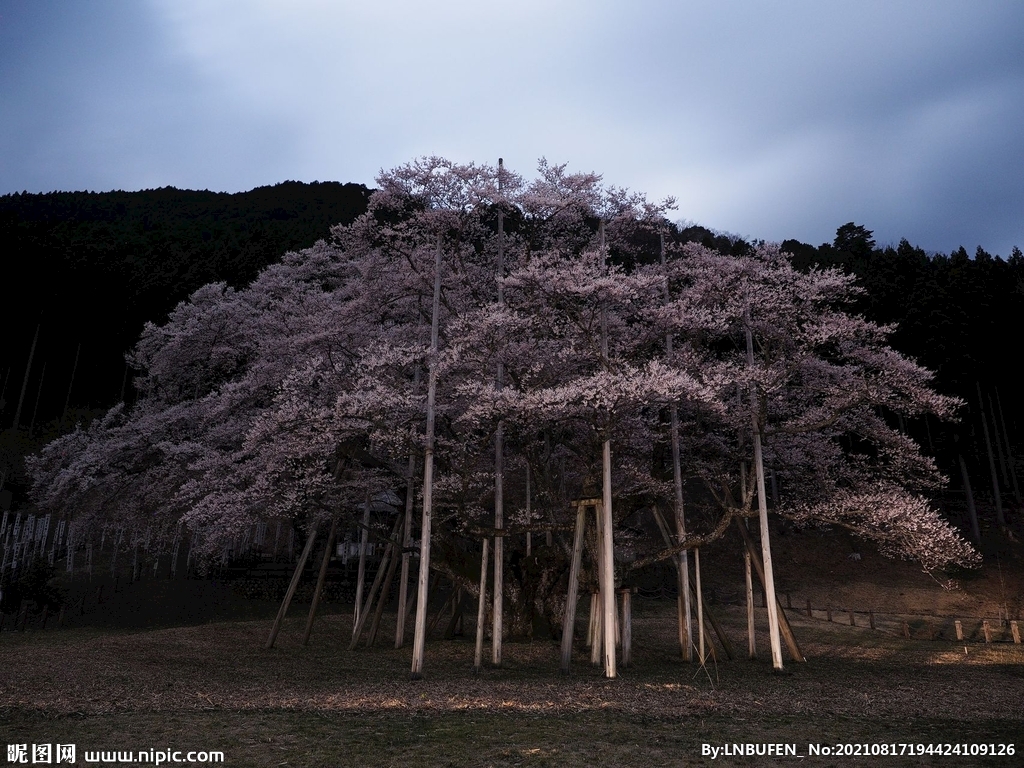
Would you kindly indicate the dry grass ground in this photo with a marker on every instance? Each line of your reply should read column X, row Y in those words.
column 214, row 687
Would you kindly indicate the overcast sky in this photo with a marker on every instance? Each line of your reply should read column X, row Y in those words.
column 768, row 120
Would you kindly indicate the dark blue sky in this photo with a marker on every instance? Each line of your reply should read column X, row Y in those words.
column 767, row 120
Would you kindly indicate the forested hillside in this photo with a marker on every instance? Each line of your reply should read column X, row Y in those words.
column 85, row 271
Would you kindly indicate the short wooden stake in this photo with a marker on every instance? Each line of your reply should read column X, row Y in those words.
column 987, row 629
column 871, row 619
column 852, row 623
column 906, row 630
column 958, row 625
column 1016, row 632
column 810, row 615
column 828, row 612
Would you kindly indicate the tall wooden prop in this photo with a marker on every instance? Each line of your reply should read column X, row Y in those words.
column 320, row 579
column 607, row 554
column 683, row 571
column 403, row 588
column 481, row 610
column 292, row 587
column 700, row 607
column 361, row 574
column 762, row 505
column 420, row 634
column 784, row 628
column 569, row 620
column 499, row 460
column 972, row 511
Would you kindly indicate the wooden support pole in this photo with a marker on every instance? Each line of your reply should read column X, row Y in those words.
column 607, row 558
column 596, row 635
column 378, row 581
column 683, row 586
column 320, row 579
column 871, row 619
column 959, row 627
column 291, row 587
column 1015, row 630
column 385, row 593
column 810, row 614
column 481, row 609
column 700, row 608
column 784, row 627
column 403, row 584
column 569, row 620
column 852, row 623
column 361, row 573
column 627, row 626
column 828, row 612
column 747, row 570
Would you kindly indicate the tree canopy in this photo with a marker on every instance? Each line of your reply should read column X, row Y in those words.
column 297, row 396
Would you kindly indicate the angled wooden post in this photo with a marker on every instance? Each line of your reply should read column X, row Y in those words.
column 783, row 623
column 481, row 609
column 321, row 578
column 293, row 586
column 569, row 620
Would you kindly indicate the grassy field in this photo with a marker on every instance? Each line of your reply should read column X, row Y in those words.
column 214, row 687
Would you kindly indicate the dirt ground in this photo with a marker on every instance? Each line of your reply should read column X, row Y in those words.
column 127, row 679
